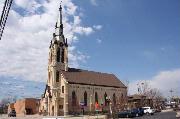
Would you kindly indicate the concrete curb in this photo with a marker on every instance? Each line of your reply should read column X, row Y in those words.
column 167, row 110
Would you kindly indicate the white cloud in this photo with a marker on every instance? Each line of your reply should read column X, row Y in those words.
column 77, row 20
column 25, row 42
column 83, row 30
column 99, row 41
column 6, row 83
column 97, row 27
column 30, row 7
column 22, row 3
column 1, row 5
column 164, row 81
column 19, row 86
column 94, row 2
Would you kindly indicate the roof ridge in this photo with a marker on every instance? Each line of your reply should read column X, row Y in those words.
column 82, row 76
column 93, row 71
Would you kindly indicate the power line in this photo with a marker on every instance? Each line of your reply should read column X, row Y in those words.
column 4, row 15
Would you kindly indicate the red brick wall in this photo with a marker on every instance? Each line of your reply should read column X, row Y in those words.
column 19, row 107
column 28, row 103
column 32, row 104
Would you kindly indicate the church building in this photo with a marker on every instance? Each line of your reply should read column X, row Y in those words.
column 70, row 90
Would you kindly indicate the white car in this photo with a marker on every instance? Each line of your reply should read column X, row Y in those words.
column 177, row 114
column 148, row 110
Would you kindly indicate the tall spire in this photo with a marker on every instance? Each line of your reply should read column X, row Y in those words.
column 60, row 10
column 60, row 21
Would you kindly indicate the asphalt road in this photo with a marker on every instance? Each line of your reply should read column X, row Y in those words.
column 161, row 115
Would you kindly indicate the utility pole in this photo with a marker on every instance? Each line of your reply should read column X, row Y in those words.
column 171, row 91
column 4, row 15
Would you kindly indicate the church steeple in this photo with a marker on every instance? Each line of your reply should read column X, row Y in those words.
column 60, row 11
column 59, row 24
column 59, row 46
column 60, row 21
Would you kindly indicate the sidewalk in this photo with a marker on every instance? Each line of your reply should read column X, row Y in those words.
column 59, row 117
column 167, row 110
column 79, row 117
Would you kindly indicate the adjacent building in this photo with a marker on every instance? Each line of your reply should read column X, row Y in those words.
column 71, row 90
column 138, row 100
column 26, row 106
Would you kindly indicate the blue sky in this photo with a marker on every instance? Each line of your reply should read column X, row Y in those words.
column 136, row 40
column 139, row 37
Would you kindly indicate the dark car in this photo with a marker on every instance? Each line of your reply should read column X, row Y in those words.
column 126, row 114
column 12, row 113
column 137, row 112
column 141, row 111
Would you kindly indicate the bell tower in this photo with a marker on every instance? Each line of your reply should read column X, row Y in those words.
column 57, row 62
column 58, row 55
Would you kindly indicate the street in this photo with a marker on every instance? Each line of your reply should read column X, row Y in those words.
column 161, row 115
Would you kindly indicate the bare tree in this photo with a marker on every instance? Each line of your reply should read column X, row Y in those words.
column 7, row 100
column 152, row 94
column 143, row 87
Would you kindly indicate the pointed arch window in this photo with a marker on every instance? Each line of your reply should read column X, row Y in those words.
column 62, row 57
column 49, row 76
column 62, row 89
column 122, row 96
column 57, row 76
column 114, row 99
column 58, row 55
column 85, row 98
column 96, row 97
column 50, row 57
column 73, row 98
column 105, row 99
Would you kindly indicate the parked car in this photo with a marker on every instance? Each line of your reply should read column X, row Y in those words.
column 126, row 114
column 178, row 114
column 12, row 113
column 137, row 112
column 141, row 111
column 148, row 110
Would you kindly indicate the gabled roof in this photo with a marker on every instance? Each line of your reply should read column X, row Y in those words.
column 79, row 76
column 137, row 97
